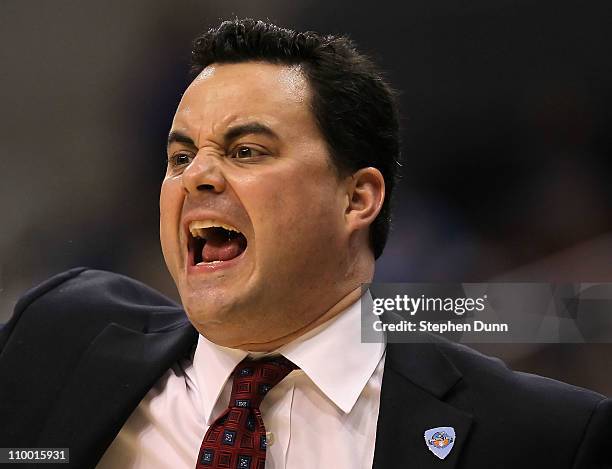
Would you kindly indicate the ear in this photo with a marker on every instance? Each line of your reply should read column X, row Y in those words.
column 366, row 194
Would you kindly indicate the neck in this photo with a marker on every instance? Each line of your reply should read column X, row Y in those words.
column 336, row 309
column 359, row 270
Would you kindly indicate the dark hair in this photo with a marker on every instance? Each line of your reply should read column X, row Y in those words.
column 353, row 106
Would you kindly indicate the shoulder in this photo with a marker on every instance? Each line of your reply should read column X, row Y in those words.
column 539, row 413
column 85, row 287
column 489, row 375
column 71, row 334
column 87, row 300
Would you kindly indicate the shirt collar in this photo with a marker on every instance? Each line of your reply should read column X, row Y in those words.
column 328, row 351
column 213, row 364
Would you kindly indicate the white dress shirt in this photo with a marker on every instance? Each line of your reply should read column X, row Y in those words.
column 322, row 415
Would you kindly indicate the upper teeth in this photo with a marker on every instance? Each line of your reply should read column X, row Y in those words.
column 198, row 228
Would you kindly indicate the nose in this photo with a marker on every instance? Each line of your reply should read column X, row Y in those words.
column 204, row 174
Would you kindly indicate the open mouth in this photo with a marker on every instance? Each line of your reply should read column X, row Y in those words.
column 212, row 242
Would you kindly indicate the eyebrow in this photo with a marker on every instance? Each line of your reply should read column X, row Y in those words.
column 250, row 128
column 178, row 137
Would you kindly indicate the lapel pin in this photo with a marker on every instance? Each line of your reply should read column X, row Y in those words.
column 440, row 440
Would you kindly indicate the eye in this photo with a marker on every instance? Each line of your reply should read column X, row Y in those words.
column 179, row 159
column 245, row 152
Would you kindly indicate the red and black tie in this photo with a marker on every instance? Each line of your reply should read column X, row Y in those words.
column 237, row 439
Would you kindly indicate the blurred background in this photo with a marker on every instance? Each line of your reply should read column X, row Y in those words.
column 507, row 140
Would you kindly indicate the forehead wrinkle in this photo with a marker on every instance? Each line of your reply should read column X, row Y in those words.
column 201, row 124
column 213, row 131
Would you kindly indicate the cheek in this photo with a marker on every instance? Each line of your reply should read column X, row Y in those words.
column 296, row 216
column 170, row 204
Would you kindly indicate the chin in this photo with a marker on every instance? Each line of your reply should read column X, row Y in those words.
column 208, row 313
column 215, row 327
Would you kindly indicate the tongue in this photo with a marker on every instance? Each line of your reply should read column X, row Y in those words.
column 219, row 247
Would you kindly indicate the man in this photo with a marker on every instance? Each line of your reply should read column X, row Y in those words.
column 281, row 162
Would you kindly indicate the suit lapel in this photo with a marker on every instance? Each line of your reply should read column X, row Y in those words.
column 113, row 376
column 415, row 381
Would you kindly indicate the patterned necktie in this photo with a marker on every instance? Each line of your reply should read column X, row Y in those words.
column 237, row 439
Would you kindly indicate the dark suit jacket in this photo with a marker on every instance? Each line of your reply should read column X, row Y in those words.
column 83, row 348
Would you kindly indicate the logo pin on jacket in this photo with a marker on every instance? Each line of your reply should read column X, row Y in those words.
column 440, row 440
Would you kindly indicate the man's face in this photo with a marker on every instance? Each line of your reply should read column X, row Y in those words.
column 252, row 212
